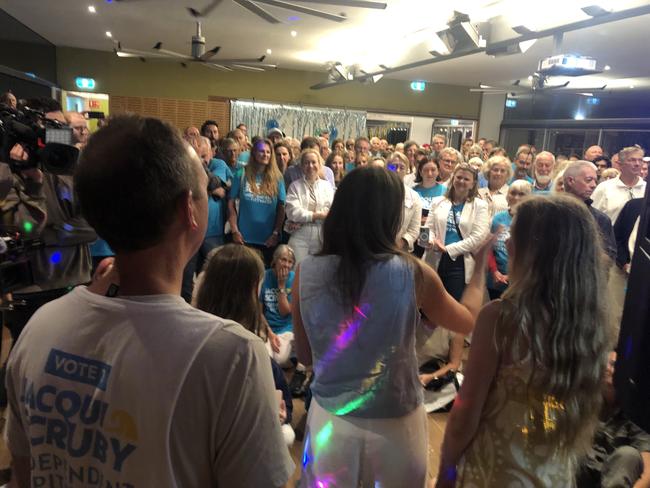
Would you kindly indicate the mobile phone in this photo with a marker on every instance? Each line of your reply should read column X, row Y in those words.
column 425, row 234
column 392, row 167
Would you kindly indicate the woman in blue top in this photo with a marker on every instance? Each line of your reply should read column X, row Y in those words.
column 261, row 195
column 458, row 224
column 497, row 280
column 427, row 185
column 355, row 310
column 276, row 300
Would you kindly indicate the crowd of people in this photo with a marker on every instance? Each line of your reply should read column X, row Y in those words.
column 358, row 270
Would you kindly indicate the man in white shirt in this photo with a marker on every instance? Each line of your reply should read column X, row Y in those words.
column 135, row 387
column 611, row 195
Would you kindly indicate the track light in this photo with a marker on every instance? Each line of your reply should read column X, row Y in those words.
column 460, row 34
column 595, row 10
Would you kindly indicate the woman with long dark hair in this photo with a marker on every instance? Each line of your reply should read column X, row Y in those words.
column 261, row 194
column 355, row 310
column 532, row 391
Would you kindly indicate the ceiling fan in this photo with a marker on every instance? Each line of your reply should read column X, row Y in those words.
column 539, row 83
column 255, row 8
column 198, row 55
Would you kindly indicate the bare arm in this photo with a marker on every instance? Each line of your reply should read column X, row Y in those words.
column 441, row 308
column 303, row 349
column 455, row 357
column 479, row 374
column 644, row 480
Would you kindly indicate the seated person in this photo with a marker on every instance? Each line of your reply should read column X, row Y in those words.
column 620, row 455
column 439, row 353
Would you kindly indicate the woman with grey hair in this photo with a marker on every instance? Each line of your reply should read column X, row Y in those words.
column 448, row 159
column 497, row 171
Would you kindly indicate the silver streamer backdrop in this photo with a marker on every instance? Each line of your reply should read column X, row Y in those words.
column 297, row 121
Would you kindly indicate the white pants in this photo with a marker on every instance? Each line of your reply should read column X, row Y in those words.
column 353, row 452
column 286, row 348
column 306, row 241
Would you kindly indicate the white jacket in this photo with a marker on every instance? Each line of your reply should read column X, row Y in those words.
column 411, row 217
column 298, row 200
column 474, row 227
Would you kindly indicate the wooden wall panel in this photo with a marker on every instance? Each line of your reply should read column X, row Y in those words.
column 180, row 113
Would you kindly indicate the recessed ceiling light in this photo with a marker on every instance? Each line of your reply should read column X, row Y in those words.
column 294, row 33
column 607, row 67
column 91, row 9
column 108, row 34
column 268, row 51
column 631, row 86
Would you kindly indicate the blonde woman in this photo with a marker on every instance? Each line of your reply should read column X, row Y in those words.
column 458, row 223
column 261, row 194
column 497, row 171
column 532, row 390
column 308, row 202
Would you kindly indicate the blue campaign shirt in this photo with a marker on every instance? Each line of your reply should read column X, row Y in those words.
column 428, row 194
column 244, row 156
column 452, row 235
column 500, row 250
column 100, row 248
column 269, row 298
column 349, row 167
column 217, row 207
column 256, row 211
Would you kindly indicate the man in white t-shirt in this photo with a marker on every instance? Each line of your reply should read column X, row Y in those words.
column 133, row 387
column 611, row 195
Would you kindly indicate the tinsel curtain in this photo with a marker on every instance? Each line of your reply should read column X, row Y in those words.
column 295, row 120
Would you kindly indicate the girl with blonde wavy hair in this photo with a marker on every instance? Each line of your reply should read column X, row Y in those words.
column 532, row 391
column 259, row 190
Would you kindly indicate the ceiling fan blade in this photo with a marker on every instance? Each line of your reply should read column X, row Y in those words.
column 247, row 68
column 555, row 87
column 304, row 10
column 257, row 10
column 240, row 60
column 206, row 11
column 208, row 54
column 327, row 84
column 350, row 3
column 217, row 66
column 488, row 90
column 174, row 54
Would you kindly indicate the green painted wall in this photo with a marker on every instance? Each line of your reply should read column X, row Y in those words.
column 167, row 79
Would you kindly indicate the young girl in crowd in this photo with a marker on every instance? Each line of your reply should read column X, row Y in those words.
column 335, row 161
column 261, row 194
column 229, row 287
column 531, row 396
column 355, row 310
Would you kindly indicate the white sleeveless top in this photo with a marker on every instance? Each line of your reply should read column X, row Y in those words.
column 364, row 361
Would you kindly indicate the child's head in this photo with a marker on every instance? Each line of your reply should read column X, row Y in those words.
column 229, row 286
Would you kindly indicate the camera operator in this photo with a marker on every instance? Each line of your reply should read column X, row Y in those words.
column 46, row 199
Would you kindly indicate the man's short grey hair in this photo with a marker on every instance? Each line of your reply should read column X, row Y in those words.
column 522, row 186
column 575, row 168
column 545, row 154
column 626, row 152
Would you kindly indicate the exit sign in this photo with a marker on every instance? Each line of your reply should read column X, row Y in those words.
column 84, row 83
